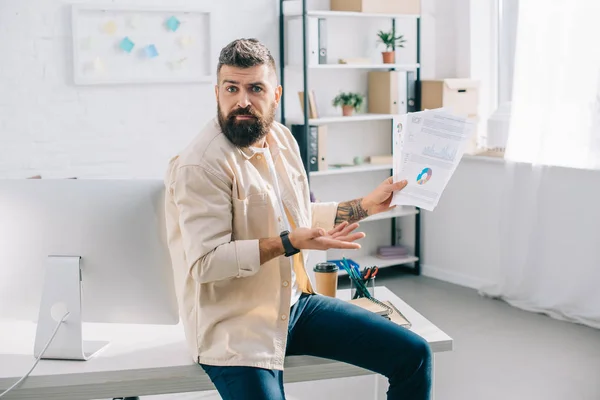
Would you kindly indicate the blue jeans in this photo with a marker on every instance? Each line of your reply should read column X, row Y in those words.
column 329, row 328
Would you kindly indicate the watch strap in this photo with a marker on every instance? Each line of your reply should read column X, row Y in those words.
column 290, row 250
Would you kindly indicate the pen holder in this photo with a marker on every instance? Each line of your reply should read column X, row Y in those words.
column 356, row 292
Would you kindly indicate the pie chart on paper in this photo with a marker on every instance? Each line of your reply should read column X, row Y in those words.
column 424, row 176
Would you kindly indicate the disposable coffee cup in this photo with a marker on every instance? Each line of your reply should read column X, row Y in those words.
column 326, row 275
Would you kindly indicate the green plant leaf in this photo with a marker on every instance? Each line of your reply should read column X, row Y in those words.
column 389, row 39
column 355, row 100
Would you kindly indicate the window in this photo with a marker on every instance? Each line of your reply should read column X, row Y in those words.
column 507, row 17
column 504, row 40
column 555, row 98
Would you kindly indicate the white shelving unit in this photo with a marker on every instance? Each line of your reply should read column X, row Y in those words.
column 342, row 120
column 401, row 67
column 384, row 262
column 295, row 11
column 329, row 178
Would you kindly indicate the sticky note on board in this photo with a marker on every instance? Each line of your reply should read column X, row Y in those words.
column 126, row 44
column 173, row 23
column 151, row 51
column 186, row 40
column 110, row 28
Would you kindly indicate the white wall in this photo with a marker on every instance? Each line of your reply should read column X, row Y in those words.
column 49, row 126
column 462, row 237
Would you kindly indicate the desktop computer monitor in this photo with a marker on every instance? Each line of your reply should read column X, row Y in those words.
column 96, row 248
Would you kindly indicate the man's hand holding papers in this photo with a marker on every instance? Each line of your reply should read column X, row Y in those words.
column 428, row 146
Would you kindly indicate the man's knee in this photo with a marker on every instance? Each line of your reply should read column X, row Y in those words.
column 423, row 352
column 414, row 360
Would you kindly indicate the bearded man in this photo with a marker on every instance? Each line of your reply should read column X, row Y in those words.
column 240, row 223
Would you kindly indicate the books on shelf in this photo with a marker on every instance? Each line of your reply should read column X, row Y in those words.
column 392, row 92
column 316, row 29
column 391, row 252
column 313, row 113
column 317, row 146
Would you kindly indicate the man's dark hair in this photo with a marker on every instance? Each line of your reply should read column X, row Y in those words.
column 245, row 53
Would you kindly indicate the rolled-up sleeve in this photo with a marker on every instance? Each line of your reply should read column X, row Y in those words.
column 323, row 215
column 204, row 204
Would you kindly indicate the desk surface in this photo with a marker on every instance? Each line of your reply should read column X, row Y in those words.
column 143, row 359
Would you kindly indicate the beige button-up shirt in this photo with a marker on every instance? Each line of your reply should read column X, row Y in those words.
column 219, row 201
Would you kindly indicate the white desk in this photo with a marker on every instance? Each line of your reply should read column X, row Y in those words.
column 144, row 360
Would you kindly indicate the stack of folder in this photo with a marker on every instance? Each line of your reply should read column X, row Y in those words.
column 388, row 252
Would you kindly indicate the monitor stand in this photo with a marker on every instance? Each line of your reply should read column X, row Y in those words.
column 62, row 293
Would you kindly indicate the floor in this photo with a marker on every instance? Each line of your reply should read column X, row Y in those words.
column 500, row 353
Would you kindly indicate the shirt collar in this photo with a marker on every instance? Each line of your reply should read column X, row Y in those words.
column 272, row 141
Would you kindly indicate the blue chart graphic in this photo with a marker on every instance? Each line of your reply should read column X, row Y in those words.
column 424, row 176
column 445, row 153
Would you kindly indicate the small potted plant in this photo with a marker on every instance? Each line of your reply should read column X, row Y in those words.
column 391, row 41
column 349, row 101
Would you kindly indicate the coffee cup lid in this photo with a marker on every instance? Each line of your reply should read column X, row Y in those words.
column 325, row 267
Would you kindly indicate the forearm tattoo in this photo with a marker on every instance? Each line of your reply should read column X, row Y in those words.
column 351, row 211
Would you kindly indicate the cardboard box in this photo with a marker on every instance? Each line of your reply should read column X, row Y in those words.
column 387, row 92
column 378, row 6
column 461, row 95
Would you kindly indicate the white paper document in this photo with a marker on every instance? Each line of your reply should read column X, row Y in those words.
column 428, row 146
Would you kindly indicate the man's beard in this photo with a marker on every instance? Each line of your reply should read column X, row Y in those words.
column 243, row 133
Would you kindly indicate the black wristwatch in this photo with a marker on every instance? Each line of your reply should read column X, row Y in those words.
column 287, row 245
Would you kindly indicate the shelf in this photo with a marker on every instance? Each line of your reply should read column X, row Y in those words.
column 371, row 261
column 345, row 14
column 352, row 169
column 403, row 67
column 356, row 70
column 342, row 119
column 402, row 211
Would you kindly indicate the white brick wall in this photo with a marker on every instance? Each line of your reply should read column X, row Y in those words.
column 51, row 127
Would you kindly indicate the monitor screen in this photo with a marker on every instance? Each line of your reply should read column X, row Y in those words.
column 117, row 227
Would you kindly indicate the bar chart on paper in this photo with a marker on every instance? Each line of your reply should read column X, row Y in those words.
column 428, row 156
column 445, row 153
